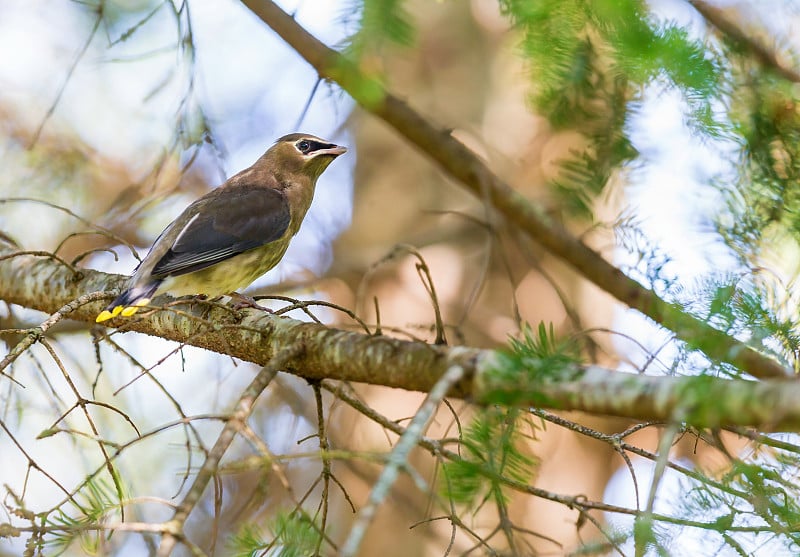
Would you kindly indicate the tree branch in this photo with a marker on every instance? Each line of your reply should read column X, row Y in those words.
column 258, row 337
column 398, row 458
column 254, row 336
column 173, row 530
column 463, row 165
column 765, row 56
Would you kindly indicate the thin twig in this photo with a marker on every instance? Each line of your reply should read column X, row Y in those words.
column 322, row 434
column 645, row 519
column 173, row 530
column 397, row 459
column 578, row 502
column 37, row 332
column 70, row 72
column 95, row 229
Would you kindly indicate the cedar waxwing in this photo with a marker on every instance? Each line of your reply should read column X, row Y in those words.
column 234, row 234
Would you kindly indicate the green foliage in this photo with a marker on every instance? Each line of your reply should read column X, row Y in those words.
column 771, row 498
column 751, row 508
column 92, row 506
column 647, row 536
column 764, row 202
column 588, row 60
column 651, row 263
column 491, row 451
column 542, row 354
column 248, row 542
column 538, row 357
column 755, row 308
column 292, row 535
column 753, row 505
column 380, row 22
column 761, row 223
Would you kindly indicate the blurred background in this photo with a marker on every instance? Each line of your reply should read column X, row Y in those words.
column 123, row 120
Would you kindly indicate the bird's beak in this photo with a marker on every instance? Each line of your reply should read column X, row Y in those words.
column 332, row 150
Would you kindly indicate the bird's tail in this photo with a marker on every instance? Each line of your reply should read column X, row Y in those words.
column 129, row 302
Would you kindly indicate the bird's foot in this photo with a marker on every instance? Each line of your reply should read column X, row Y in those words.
column 198, row 304
column 242, row 301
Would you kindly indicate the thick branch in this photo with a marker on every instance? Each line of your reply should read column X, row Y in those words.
column 256, row 336
column 462, row 164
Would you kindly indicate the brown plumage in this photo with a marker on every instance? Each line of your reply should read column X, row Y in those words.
column 234, row 234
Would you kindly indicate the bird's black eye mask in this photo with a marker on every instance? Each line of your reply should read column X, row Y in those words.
column 308, row 146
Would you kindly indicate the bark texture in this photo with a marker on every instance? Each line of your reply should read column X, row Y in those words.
column 255, row 336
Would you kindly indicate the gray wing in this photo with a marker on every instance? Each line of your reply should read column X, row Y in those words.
column 232, row 222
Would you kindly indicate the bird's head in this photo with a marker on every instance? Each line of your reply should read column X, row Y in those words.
column 303, row 153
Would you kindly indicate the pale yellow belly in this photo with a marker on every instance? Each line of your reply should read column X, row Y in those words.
column 228, row 276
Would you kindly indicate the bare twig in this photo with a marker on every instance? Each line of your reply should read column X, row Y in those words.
column 36, row 333
column 578, row 502
column 643, row 530
column 173, row 530
column 94, row 228
column 397, row 459
column 70, row 71
column 327, row 474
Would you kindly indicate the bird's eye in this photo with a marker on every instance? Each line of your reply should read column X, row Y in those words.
column 304, row 146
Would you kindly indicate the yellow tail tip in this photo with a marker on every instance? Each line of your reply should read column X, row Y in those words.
column 105, row 315
column 125, row 311
column 130, row 310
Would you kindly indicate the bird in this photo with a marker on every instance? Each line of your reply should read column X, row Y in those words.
column 235, row 233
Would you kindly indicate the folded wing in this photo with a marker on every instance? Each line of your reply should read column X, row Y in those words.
column 240, row 220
